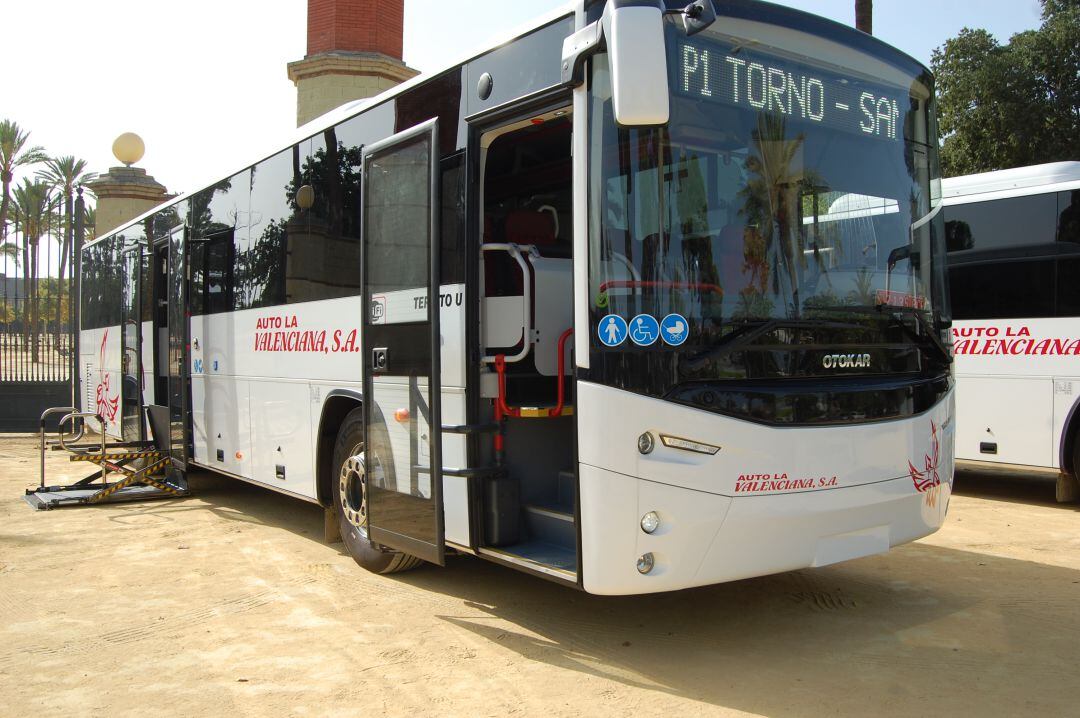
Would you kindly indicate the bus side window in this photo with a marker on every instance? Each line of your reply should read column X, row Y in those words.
column 1069, row 217
column 1068, row 288
column 1003, row 290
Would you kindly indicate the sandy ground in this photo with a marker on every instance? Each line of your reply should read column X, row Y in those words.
column 229, row 603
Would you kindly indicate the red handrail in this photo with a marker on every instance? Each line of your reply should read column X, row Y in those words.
column 557, row 411
column 501, row 407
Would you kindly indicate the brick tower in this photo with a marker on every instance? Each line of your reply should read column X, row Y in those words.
column 353, row 51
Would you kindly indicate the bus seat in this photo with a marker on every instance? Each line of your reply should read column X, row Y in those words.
column 524, row 226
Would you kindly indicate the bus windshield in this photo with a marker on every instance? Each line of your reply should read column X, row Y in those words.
column 783, row 188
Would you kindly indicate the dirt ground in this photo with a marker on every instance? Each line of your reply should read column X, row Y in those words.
column 229, row 603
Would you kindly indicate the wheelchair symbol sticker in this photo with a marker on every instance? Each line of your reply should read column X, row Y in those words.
column 644, row 330
column 675, row 329
column 612, row 330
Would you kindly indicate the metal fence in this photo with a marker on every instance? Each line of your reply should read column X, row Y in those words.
column 38, row 317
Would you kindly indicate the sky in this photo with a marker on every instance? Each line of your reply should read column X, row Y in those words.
column 204, row 83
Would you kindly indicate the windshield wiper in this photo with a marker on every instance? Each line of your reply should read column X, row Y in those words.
column 893, row 314
column 749, row 332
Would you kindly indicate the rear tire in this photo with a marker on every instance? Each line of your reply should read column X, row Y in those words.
column 350, row 501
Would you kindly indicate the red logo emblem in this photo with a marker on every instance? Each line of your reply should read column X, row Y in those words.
column 928, row 478
column 107, row 406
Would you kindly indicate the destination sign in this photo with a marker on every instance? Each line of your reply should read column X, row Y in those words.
column 767, row 84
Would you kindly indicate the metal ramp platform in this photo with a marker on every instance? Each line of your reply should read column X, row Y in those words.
column 143, row 465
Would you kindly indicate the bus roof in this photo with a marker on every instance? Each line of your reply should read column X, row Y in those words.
column 1002, row 184
column 793, row 18
column 346, row 111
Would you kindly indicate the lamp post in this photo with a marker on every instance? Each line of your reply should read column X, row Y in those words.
column 75, row 300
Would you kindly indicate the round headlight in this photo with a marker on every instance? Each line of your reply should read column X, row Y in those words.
column 645, row 563
column 650, row 522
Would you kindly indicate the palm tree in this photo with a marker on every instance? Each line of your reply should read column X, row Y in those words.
column 64, row 174
column 34, row 205
column 864, row 16
column 10, row 250
column 13, row 154
column 89, row 223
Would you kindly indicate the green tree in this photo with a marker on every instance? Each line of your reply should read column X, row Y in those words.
column 63, row 174
column 89, row 223
column 35, row 206
column 14, row 153
column 1011, row 105
column 10, row 250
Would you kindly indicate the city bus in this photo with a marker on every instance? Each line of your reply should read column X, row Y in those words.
column 587, row 304
column 1013, row 240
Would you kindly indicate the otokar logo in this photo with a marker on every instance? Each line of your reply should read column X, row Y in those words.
column 846, row 361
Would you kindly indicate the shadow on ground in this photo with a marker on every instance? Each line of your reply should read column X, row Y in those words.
column 923, row 629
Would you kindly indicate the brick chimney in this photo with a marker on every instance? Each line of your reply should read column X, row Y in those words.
column 353, row 51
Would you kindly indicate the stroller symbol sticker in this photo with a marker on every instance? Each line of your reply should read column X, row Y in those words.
column 675, row 329
column 644, row 330
column 612, row 330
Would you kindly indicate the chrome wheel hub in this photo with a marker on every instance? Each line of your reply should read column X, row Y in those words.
column 353, row 490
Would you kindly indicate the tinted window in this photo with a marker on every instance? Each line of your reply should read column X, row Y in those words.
column 1068, row 287
column 324, row 239
column 1001, row 223
column 147, row 287
column 261, row 249
column 218, row 214
column 1003, row 290
column 101, row 285
column 1069, row 216
column 212, row 274
column 397, row 217
column 452, row 228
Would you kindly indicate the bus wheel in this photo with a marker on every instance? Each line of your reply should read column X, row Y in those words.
column 350, row 501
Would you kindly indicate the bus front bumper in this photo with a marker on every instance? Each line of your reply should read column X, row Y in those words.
column 706, row 538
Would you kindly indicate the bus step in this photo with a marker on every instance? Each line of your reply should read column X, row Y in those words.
column 541, row 553
column 542, row 412
column 53, row 497
column 552, row 524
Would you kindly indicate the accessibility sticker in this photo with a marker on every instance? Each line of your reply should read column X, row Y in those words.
column 612, row 330
column 674, row 329
column 644, row 330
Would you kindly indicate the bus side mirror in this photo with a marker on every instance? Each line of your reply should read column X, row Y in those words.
column 634, row 30
column 697, row 16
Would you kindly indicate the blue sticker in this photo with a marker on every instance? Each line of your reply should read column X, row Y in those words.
column 644, row 330
column 612, row 330
column 675, row 329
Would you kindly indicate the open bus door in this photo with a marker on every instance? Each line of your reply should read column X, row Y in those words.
column 179, row 376
column 172, row 378
column 133, row 426
column 401, row 344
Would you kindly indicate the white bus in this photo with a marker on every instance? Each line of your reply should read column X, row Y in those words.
column 567, row 305
column 1014, row 265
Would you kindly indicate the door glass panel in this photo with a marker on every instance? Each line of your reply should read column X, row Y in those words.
column 177, row 343
column 131, row 343
column 402, row 451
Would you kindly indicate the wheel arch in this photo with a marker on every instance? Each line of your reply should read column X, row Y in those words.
column 1069, row 437
column 335, row 408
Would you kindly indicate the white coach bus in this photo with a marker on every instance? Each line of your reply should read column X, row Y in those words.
column 572, row 305
column 1013, row 238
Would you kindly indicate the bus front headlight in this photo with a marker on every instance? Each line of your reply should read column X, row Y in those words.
column 650, row 522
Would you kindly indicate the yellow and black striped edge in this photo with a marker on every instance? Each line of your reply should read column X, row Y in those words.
column 120, row 456
column 140, row 477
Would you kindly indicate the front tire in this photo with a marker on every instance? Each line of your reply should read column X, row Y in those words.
column 350, row 500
